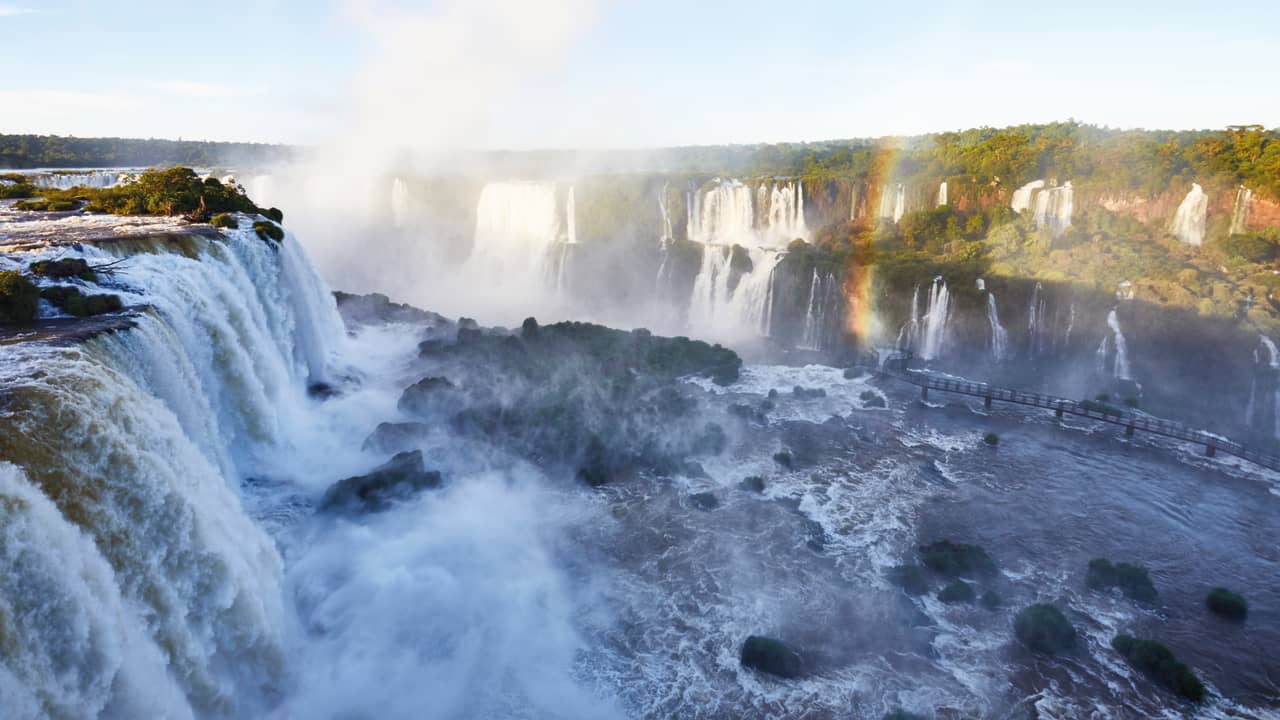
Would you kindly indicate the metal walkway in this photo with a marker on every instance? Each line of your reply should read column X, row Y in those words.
column 1130, row 421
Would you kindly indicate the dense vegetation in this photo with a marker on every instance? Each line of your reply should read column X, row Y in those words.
column 52, row 151
column 1160, row 664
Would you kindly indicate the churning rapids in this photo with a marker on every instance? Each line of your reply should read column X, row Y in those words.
column 165, row 550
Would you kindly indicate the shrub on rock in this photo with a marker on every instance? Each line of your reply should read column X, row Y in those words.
column 274, row 215
column 224, row 220
column 1133, row 580
column 268, row 230
column 770, row 656
column 1160, row 664
column 73, row 302
column 19, row 297
column 1227, row 604
column 958, row 591
column 397, row 479
column 956, row 559
column 1044, row 629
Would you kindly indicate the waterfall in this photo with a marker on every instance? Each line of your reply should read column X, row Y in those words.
column 1035, row 318
column 725, row 214
column 942, row 194
column 893, row 201
column 1240, row 211
column 1189, row 221
column 934, row 331
column 158, row 596
column 1273, row 357
column 571, row 218
column 517, row 228
column 1120, row 364
column 399, row 203
column 98, row 179
column 999, row 336
column 1053, row 209
column 665, row 214
column 1022, row 196
column 719, row 308
column 822, row 290
column 982, row 284
column 909, row 335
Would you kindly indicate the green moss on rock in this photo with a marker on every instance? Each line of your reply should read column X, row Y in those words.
column 1160, row 664
column 1133, row 580
column 1228, row 604
column 956, row 559
column 1044, row 629
column 19, row 297
column 268, row 230
column 224, row 220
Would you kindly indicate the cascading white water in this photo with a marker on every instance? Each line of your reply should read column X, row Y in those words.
column 161, row 597
column 893, row 201
column 1189, row 221
column 822, row 289
column 665, row 213
column 1053, row 209
column 1022, row 196
column 942, row 193
column 1035, row 318
column 909, row 335
column 934, row 331
column 718, row 308
column 1120, row 364
column 571, row 218
column 725, row 214
column 1240, row 211
column 91, row 178
column 517, row 228
column 1273, row 356
column 999, row 336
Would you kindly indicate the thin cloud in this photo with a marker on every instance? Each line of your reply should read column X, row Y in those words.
column 16, row 10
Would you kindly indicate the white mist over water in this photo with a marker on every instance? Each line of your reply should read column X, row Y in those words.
column 1189, row 221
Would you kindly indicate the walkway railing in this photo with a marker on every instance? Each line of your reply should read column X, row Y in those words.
column 1131, row 421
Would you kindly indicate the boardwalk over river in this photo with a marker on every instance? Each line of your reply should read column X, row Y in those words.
column 1130, row 421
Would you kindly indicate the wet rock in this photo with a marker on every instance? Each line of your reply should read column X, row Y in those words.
column 910, row 578
column 802, row 393
column 1133, row 580
column 19, row 297
column 871, row 400
column 72, row 301
column 783, row 458
column 1227, row 604
column 991, row 600
column 1044, row 629
column 704, row 501
column 322, row 390
column 431, row 397
column 376, row 308
column 712, row 440
column 752, row 483
column 958, row 591
column 398, row 479
column 1160, row 664
column 394, row 437
column 770, row 656
column 956, row 559
column 901, row 715
column 64, row 269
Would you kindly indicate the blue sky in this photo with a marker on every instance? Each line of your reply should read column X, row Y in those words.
column 628, row 73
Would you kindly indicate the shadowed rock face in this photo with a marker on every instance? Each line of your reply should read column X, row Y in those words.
column 394, row 437
column 770, row 656
column 398, row 479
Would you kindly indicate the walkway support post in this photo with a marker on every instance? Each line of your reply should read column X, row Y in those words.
column 1128, row 431
column 1210, row 451
column 924, row 392
column 986, row 402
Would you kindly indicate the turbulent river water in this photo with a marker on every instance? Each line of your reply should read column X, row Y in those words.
column 162, row 554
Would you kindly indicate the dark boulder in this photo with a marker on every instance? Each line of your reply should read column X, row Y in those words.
column 1227, row 604
column 19, row 297
column 870, row 399
column 1161, row 665
column 432, row 397
column 752, row 483
column 1044, row 629
column 910, row 578
column 958, row 591
column 704, row 501
column 771, row 656
column 391, row 437
column 64, row 269
column 1133, row 580
column 956, row 559
column 397, row 479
